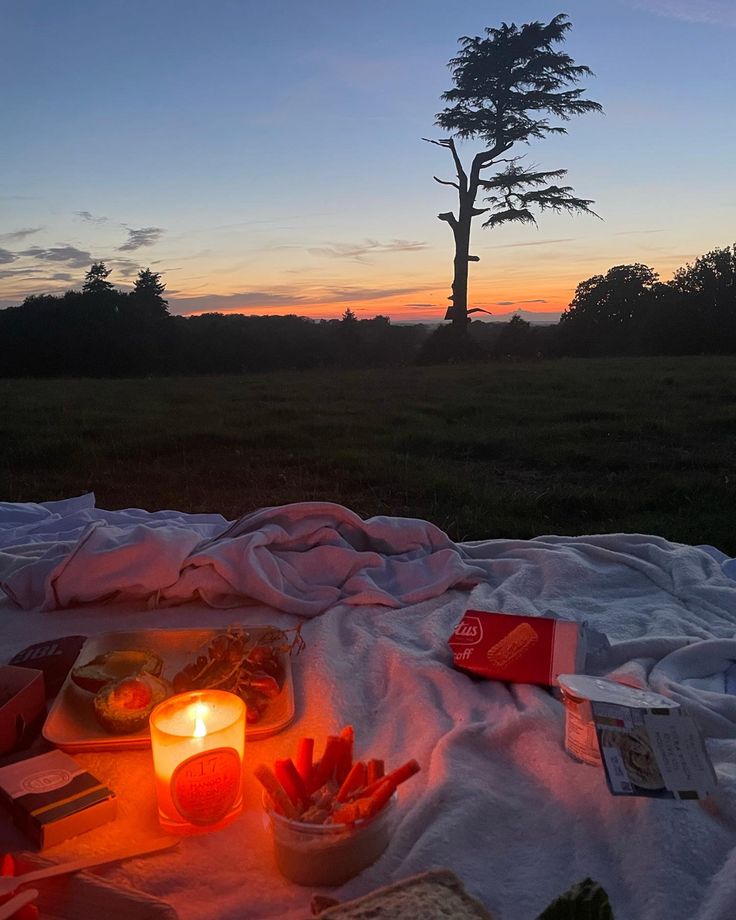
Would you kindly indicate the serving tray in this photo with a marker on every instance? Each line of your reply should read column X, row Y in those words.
column 71, row 724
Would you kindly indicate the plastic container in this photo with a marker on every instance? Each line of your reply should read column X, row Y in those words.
column 318, row 855
column 578, row 691
column 581, row 741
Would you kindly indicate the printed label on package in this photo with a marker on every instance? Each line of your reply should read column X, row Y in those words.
column 658, row 753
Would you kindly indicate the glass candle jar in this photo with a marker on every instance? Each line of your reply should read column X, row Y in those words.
column 197, row 742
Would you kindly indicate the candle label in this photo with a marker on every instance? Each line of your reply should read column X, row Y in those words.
column 205, row 787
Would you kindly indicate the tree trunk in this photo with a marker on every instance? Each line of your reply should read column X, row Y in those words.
column 461, row 233
column 467, row 189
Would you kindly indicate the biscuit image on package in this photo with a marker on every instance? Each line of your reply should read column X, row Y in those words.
column 512, row 646
column 637, row 755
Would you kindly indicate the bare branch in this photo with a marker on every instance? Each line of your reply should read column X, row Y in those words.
column 499, row 160
column 444, row 182
column 450, row 144
column 449, row 217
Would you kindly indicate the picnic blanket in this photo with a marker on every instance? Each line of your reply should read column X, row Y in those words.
column 301, row 558
column 498, row 800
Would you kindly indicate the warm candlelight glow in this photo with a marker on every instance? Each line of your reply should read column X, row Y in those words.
column 197, row 741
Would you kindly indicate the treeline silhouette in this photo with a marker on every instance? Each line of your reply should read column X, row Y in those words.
column 100, row 331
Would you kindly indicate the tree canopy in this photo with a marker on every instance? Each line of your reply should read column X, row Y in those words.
column 508, row 86
column 95, row 281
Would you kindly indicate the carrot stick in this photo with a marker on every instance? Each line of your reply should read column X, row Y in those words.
column 345, row 761
column 374, row 771
column 396, row 777
column 325, row 769
column 346, row 814
column 280, row 800
column 353, row 781
column 374, row 803
column 304, row 753
column 293, row 784
column 364, row 807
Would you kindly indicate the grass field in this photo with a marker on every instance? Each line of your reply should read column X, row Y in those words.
column 513, row 450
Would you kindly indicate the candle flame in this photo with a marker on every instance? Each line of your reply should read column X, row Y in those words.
column 200, row 729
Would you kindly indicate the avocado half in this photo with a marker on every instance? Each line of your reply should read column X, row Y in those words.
column 112, row 666
column 124, row 706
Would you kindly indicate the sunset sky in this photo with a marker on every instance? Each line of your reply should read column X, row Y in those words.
column 266, row 157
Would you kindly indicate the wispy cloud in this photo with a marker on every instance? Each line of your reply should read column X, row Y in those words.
column 19, row 234
column 234, row 303
column 6, row 256
column 630, row 232
column 146, row 236
column 359, row 251
column 708, row 12
column 125, row 267
column 510, row 303
column 285, row 298
column 91, row 218
column 340, row 295
column 75, row 258
column 569, row 239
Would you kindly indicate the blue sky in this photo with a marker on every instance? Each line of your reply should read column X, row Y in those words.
column 268, row 156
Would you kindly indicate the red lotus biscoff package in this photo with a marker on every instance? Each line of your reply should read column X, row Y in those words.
column 517, row 648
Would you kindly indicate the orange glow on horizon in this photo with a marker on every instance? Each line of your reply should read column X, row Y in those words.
column 501, row 300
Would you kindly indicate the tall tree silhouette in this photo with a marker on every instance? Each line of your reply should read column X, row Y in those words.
column 95, row 281
column 148, row 293
column 506, row 86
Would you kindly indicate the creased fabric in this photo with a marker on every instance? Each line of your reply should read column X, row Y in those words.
column 301, row 558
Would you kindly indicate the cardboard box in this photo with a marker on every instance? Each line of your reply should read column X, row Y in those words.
column 51, row 798
column 22, row 702
column 517, row 648
column 54, row 657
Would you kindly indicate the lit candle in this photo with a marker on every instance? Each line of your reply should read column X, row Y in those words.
column 197, row 741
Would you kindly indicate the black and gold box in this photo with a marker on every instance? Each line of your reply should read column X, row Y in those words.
column 51, row 797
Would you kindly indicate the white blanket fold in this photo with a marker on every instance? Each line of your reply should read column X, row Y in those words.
column 301, row 558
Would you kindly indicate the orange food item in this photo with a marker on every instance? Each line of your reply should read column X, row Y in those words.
column 334, row 790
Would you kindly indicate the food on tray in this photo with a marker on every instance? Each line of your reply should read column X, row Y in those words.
column 122, row 674
column 113, row 666
column 251, row 665
column 438, row 894
column 333, row 817
column 124, row 706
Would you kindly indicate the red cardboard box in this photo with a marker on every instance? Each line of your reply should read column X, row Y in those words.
column 22, row 701
column 517, row 648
